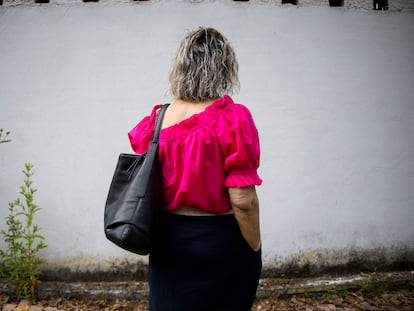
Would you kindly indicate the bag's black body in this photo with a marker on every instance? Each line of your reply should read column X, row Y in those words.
column 134, row 199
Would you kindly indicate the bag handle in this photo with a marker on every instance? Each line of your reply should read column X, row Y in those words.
column 158, row 123
column 144, row 173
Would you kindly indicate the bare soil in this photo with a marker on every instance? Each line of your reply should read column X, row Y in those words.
column 401, row 300
column 272, row 295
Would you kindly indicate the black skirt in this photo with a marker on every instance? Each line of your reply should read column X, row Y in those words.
column 202, row 263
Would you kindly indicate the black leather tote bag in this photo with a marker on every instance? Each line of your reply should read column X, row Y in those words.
column 134, row 199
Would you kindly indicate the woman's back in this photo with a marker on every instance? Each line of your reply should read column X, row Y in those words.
column 204, row 153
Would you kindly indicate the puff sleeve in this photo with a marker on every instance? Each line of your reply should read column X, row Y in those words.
column 242, row 149
column 140, row 136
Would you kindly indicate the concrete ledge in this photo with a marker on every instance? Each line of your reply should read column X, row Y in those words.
column 269, row 287
column 103, row 290
column 337, row 284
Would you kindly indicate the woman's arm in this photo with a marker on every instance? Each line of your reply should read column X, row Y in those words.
column 245, row 204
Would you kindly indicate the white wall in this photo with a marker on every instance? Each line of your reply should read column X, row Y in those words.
column 331, row 91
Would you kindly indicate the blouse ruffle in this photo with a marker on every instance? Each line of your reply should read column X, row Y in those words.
column 204, row 154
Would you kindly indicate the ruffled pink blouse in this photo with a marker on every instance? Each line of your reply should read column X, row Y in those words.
column 204, row 154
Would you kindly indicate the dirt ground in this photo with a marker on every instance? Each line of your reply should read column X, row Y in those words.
column 402, row 299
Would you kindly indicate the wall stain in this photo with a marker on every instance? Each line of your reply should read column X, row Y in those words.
column 319, row 262
column 309, row 263
column 95, row 269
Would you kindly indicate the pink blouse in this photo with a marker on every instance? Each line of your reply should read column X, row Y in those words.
column 204, row 154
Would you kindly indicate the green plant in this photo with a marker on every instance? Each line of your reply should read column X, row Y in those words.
column 4, row 139
column 365, row 283
column 330, row 291
column 19, row 261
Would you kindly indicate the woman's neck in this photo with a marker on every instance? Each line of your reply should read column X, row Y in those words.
column 180, row 110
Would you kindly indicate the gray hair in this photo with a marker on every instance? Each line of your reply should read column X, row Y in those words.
column 205, row 67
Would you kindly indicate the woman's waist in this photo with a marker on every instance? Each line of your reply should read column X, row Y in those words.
column 194, row 211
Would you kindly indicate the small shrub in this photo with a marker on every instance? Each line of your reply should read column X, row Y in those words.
column 19, row 261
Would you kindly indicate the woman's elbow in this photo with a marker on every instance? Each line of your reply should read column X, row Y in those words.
column 243, row 198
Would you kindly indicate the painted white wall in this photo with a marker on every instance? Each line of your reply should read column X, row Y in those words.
column 331, row 91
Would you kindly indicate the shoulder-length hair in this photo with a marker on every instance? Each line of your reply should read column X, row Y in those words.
column 205, row 67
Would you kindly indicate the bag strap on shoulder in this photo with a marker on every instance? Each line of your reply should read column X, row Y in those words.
column 151, row 156
column 158, row 123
